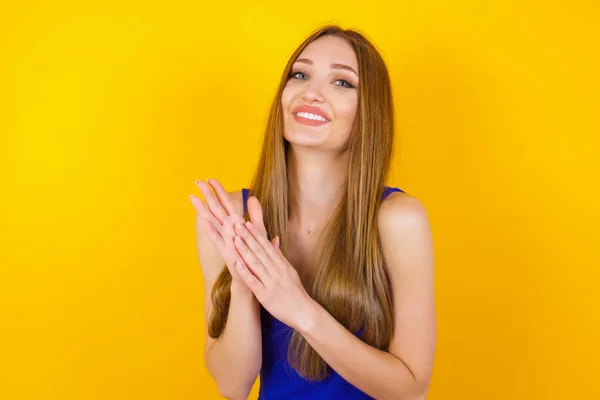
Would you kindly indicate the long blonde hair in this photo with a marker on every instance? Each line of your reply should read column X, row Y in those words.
column 350, row 281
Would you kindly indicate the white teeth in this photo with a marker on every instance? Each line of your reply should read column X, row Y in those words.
column 310, row 116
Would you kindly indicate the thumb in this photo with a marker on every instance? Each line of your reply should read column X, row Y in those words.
column 256, row 214
column 275, row 241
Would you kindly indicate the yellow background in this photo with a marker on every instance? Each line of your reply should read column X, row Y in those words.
column 109, row 111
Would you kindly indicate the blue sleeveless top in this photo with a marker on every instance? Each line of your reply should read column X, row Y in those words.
column 278, row 380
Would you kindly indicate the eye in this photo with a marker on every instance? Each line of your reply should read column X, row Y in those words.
column 294, row 74
column 346, row 83
column 301, row 75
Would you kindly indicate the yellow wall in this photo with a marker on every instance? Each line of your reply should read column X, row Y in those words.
column 108, row 113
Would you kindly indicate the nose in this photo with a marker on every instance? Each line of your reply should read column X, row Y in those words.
column 313, row 92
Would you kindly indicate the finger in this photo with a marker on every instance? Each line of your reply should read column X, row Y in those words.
column 267, row 249
column 260, row 250
column 223, row 246
column 256, row 214
column 224, row 198
column 251, row 261
column 213, row 203
column 252, row 281
column 212, row 232
column 196, row 203
column 203, row 212
column 202, row 209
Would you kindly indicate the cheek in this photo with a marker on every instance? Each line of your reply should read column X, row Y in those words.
column 348, row 110
column 286, row 98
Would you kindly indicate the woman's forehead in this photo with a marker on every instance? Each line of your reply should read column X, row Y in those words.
column 329, row 50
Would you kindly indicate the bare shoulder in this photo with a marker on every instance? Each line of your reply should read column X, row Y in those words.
column 401, row 211
column 405, row 233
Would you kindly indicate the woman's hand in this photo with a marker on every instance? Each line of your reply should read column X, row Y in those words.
column 274, row 281
column 218, row 217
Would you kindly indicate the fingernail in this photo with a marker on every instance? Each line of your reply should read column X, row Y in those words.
column 239, row 228
column 191, row 196
column 249, row 225
column 197, row 181
column 277, row 241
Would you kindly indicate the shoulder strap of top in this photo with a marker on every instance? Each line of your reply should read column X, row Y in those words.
column 245, row 195
column 387, row 190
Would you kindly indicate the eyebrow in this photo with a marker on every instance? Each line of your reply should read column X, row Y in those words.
column 335, row 66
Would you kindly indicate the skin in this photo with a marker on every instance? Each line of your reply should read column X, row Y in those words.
column 317, row 165
column 316, row 170
column 234, row 361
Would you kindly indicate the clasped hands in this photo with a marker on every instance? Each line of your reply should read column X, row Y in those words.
column 255, row 263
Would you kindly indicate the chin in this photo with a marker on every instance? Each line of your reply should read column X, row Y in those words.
column 305, row 139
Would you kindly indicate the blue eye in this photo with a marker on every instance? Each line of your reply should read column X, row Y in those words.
column 348, row 84
column 345, row 83
column 293, row 74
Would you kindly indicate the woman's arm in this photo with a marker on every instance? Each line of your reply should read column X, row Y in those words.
column 234, row 358
column 404, row 372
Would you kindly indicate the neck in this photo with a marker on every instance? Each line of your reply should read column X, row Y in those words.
column 316, row 180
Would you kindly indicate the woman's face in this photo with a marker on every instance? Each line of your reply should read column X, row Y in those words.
column 320, row 98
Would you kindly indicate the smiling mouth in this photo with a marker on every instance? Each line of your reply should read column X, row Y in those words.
column 310, row 119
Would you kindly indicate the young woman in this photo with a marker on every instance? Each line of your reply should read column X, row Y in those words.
column 339, row 303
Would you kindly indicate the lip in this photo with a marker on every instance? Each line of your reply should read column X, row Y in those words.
column 312, row 110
